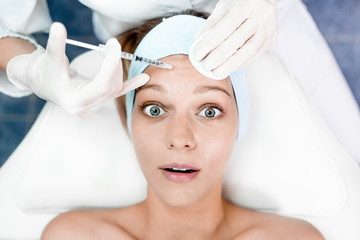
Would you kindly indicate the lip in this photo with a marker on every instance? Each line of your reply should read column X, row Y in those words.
column 178, row 176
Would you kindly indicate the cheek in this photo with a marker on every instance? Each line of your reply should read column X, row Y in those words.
column 146, row 142
column 217, row 147
column 218, row 151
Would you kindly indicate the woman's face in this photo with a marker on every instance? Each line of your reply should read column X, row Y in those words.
column 183, row 128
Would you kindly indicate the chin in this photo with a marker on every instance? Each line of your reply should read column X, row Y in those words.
column 177, row 201
column 187, row 196
column 177, row 196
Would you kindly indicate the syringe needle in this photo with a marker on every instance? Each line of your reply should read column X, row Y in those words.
column 124, row 55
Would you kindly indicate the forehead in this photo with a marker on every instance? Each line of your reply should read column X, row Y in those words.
column 183, row 74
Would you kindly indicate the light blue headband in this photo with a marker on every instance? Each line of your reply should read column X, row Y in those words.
column 175, row 35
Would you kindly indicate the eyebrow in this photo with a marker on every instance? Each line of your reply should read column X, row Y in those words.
column 203, row 89
column 197, row 90
column 155, row 87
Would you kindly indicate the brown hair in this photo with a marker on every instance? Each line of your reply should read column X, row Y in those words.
column 131, row 39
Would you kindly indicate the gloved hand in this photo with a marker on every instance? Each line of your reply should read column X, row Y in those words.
column 236, row 33
column 47, row 74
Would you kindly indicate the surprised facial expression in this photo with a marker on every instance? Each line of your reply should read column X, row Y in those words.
column 184, row 127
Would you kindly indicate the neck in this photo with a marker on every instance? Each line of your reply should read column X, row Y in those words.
column 200, row 220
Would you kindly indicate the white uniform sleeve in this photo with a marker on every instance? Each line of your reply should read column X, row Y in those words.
column 20, row 19
column 113, row 17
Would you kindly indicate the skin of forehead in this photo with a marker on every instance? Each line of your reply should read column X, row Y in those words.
column 183, row 69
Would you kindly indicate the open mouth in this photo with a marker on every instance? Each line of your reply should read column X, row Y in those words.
column 180, row 170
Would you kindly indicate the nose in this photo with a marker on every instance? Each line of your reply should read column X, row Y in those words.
column 180, row 134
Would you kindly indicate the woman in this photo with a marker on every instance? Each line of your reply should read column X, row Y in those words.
column 183, row 127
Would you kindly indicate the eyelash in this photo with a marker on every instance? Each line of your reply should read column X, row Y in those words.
column 143, row 106
column 212, row 105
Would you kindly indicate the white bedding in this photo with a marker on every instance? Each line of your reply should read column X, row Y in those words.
column 288, row 162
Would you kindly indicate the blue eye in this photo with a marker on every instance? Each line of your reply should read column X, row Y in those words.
column 153, row 110
column 210, row 112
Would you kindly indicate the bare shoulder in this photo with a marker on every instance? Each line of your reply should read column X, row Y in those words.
column 291, row 228
column 85, row 224
column 275, row 227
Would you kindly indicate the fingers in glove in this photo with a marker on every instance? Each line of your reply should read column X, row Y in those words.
column 107, row 82
column 128, row 86
column 263, row 40
column 212, row 38
column 218, row 14
column 56, row 43
column 109, row 78
column 247, row 62
column 228, row 47
column 134, row 83
column 247, row 51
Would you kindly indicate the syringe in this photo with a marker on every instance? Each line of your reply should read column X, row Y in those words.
column 125, row 55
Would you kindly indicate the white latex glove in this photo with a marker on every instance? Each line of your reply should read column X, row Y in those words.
column 235, row 34
column 47, row 74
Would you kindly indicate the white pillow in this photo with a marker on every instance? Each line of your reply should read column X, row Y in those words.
column 288, row 162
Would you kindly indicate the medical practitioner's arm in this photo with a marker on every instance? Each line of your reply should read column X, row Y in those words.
column 236, row 32
column 11, row 47
column 18, row 20
column 46, row 72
